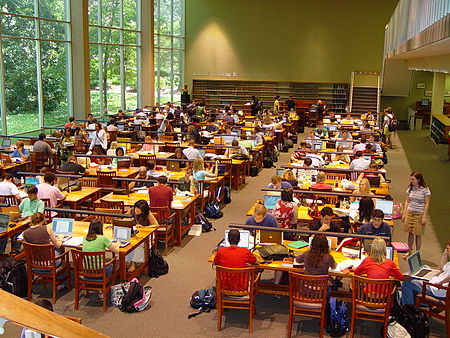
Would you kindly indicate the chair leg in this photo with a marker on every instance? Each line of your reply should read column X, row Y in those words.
column 352, row 325
column 219, row 317
column 322, row 325
column 250, row 318
column 77, row 296
column 54, row 284
column 105, row 294
column 290, row 323
column 30, row 286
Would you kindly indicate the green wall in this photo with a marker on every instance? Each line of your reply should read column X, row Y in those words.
column 284, row 40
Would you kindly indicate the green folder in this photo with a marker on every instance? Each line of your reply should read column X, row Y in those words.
column 298, row 244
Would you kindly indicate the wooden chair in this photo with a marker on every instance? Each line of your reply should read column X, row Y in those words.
column 37, row 159
column 143, row 159
column 105, row 219
column 105, row 179
column 112, row 136
column 435, row 307
column 88, row 181
column 90, row 273
column 335, row 177
column 113, row 205
column 236, row 289
column 229, row 168
column 48, row 204
column 123, row 164
column 166, row 221
column 329, row 198
column 371, row 300
column 9, row 199
column 41, row 263
column 307, row 297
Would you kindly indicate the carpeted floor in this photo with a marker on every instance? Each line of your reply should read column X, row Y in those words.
column 190, row 271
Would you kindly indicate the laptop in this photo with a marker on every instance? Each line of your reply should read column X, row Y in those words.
column 121, row 127
column 6, row 143
column 270, row 201
column 332, row 128
column 202, row 152
column 374, row 180
column 63, row 227
column 368, row 158
column 387, row 206
column 280, row 172
column 4, row 222
column 244, row 241
column 317, row 145
column 31, row 181
column 173, row 166
column 345, row 144
column 417, row 270
column 332, row 242
column 270, row 237
column 122, row 235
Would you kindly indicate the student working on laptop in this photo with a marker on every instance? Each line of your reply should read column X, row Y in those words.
column 411, row 288
column 234, row 256
column 377, row 226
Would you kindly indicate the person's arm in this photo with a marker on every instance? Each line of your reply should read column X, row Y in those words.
column 192, row 188
column 360, row 177
column 251, row 258
column 396, row 273
column 295, row 216
column 405, row 209
column 53, row 238
column 333, row 264
column 382, row 179
column 60, row 194
column 114, row 248
column 361, row 269
column 152, row 219
column 300, row 258
column 444, row 259
column 217, row 258
column 425, row 209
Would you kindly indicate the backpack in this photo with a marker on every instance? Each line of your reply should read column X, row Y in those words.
column 203, row 300
column 212, row 210
column 395, row 330
column 392, row 124
column 414, row 320
column 118, row 291
column 13, row 276
column 157, row 265
column 337, row 320
column 136, row 298
column 226, row 195
column 207, row 226
column 254, row 170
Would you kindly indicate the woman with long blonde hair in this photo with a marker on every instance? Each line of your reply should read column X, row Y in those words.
column 363, row 189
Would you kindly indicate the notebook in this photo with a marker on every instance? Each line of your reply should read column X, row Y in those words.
column 417, row 269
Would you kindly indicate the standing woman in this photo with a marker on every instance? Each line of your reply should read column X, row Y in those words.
column 99, row 138
column 416, row 208
column 388, row 118
column 276, row 104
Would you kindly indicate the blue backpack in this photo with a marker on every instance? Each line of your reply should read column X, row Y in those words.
column 204, row 300
column 337, row 320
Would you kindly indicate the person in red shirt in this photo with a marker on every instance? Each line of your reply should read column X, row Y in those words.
column 377, row 266
column 320, row 182
column 161, row 195
column 234, row 256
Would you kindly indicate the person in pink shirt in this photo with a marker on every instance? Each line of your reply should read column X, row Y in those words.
column 360, row 146
column 150, row 147
column 71, row 124
column 47, row 190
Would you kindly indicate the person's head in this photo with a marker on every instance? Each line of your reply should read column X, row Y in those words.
column 368, row 147
column 365, row 208
column 326, row 215
column 307, row 162
column 377, row 218
column 8, row 177
column 49, row 178
column 32, row 193
column 42, row 136
column 198, row 164
column 287, row 195
column 95, row 228
column 150, row 165
column 141, row 208
column 321, row 177
column 363, row 140
column 148, row 139
column 37, row 218
column 339, row 149
column 288, row 174
column 162, row 180
column 344, row 135
column 378, row 250
column 178, row 153
column 113, row 145
column 45, row 303
column 276, row 181
column 72, row 119
column 260, row 213
column 119, row 151
column 97, row 150
column 192, row 143
column 67, row 132
column 234, row 237
column 319, row 248
column 234, row 143
column 290, row 97
column 258, row 128
column 267, row 120
column 303, row 144
column 90, row 116
column 72, row 158
column 358, row 154
column 373, row 166
column 416, row 179
column 142, row 172
column 364, row 186
column 20, row 145
column 188, row 172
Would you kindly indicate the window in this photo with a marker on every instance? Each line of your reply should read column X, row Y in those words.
column 169, row 50
column 35, row 63
column 114, row 37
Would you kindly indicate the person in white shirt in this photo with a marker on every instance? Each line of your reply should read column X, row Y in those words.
column 359, row 163
column 99, row 138
column 112, row 127
column 360, row 146
column 8, row 188
column 190, row 152
column 375, row 145
column 160, row 116
column 230, row 136
column 317, row 160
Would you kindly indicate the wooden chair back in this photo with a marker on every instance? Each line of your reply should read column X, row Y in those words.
column 105, row 179
column 48, row 204
column 88, row 181
column 235, row 282
column 40, row 256
column 105, row 219
column 329, row 198
column 229, row 163
column 112, row 136
column 120, row 205
column 37, row 159
column 9, row 199
column 143, row 159
column 335, row 176
column 123, row 164
column 89, row 264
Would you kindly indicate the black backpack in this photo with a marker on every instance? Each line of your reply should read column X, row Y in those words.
column 157, row 265
column 227, row 195
column 134, row 294
column 414, row 320
column 13, row 276
column 393, row 124
column 203, row 300
column 207, row 226
column 212, row 210
column 337, row 320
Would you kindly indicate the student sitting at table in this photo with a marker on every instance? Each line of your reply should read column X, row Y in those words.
column 368, row 149
column 8, row 188
column 97, row 150
column 72, row 166
column 188, row 182
column 259, row 135
column 317, row 259
column 161, row 195
column 301, row 152
column 31, row 204
column 153, row 148
column 191, row 152
column 365, row 210
column 363, row 189
column 277, row 183
column 360, row 146
column 199, row 172
column 372, row 167
column 47, row 190
column 341, row 157
column 152, row 174
column 262, row 218
column 321, row 182
column 377, row 226
column 321, row 130
column 325, row 223
column 115, row 160
column 143, row 218
column 376, row 265
column 286, row 210
column 40, row 232
column 179, row 155
column 375, row 145
column 359, row 162
column 288, row 176
column 42, row 146
column 229, row 136
column 142, row 175
column 317, row 160
column 20, row 152
column 233, row 151
column 193, row 134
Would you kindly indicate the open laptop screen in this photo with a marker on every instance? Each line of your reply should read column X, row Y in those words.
column 6, row 143
column 270, row 201
column 202, row 152
column 385, row 205
column 244, row 241
column 414, row 262
column 31, row 181
column 62, row 225
column 122, row 233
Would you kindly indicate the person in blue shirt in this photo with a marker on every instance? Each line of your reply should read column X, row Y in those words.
column 262, row 218
column 377, row 227
column 20, row 152
column 277, row 183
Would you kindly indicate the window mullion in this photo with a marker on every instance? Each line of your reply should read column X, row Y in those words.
column 171, row 52
column 40, row 94
column 3, row 128
column 122, row 61
column 100, row 58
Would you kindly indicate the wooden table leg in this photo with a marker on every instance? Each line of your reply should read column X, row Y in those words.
column 122, row 267
column 178, row 226
column 147, row 254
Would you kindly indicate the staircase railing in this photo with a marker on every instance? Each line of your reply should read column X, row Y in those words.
column 354, row 74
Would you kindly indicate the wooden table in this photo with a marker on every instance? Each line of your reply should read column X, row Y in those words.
column 75, row 198
column 142, row 237
column 16, row 166
column 238, row 172
column 181, row 205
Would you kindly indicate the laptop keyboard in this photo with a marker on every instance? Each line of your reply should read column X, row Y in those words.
column 422, row 272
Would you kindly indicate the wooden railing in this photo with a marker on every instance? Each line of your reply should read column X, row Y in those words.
column 36, row 318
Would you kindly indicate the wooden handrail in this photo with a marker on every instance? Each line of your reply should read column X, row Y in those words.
column 36, row 318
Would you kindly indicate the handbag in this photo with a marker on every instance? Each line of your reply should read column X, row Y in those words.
column 273, row 252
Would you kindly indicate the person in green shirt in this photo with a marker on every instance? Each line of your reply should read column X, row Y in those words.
column 32, row 203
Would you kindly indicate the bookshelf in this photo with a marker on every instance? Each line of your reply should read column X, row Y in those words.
column 440, row 128
column 224, row 92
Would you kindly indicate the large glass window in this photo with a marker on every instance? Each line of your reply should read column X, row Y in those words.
column 35, row 64
column 114, row 36
column 169, row 50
